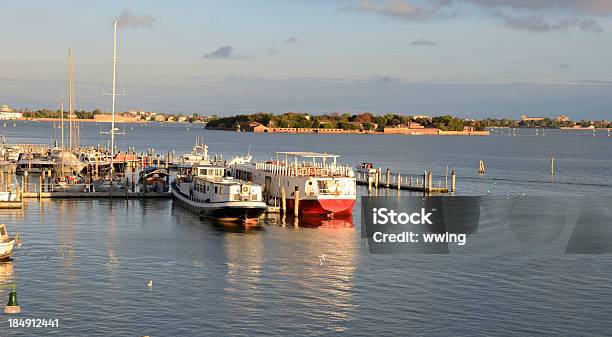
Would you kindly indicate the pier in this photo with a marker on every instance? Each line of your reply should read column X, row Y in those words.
column 424, row 183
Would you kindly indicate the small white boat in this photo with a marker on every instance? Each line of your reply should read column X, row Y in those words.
column 70, row 183
column 118, row 184
column 366, row 173
column 198, row 155
column 10, row 195
column 6, row 244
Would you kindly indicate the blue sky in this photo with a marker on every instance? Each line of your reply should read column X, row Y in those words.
column 471, row 58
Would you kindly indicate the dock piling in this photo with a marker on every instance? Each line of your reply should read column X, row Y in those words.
column 283, row 200
column 377, row 178
column 552, row 166
column 388, row 178
column 399, row 182
column 453, row 177
column 296, row 201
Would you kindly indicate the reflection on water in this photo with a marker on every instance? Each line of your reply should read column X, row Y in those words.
column 311, row 221
column 84, row 256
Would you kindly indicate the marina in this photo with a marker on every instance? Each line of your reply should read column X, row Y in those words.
column 353, row 168
column 76, row 234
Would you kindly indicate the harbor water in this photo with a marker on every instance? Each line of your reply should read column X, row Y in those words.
column 87, row 262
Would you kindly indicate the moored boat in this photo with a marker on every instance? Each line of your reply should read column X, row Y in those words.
column 6, row 244
column 206, row 191
column 153, row 179
column 33, row 163
column 323, row 186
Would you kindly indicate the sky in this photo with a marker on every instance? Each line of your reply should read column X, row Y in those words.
column 469, row 58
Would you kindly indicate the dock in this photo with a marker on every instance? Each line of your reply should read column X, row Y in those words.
column 423, row 183
column 99, row 195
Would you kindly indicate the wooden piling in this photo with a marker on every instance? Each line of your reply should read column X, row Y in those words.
column 399, row 182
column 283, row 200
column 552, row 166
column 388, row 178
column 377, row 178
column 424, row 180
column 453, row 177
column 481, row 168
column 40, row 186
column 429, row 181
column 296, row 201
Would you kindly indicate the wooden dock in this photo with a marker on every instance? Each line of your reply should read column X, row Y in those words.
column 11, row 204
column 409, row 182
column 99, row 195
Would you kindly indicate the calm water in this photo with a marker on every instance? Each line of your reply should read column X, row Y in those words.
column 86, row 262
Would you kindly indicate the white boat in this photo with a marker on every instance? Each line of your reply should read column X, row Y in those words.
column 12, row 193
column 70, row 183
column 6, row 244
column 324, row 187
column 206, row 191
column 198, row 154
column 366, row 173
column 118, row 184
column 67, row 159
column 33, row 163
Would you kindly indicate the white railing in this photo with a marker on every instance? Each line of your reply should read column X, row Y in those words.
column 317, row 170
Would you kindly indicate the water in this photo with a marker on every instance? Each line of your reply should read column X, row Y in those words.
column 87, row 262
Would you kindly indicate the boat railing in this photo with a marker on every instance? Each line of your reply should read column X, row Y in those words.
column 316, row 170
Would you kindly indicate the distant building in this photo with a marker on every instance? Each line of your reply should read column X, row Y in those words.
column 8, row 113
column 421, row 117
column 106, row 118
column 410, row 129
column 159, row 118
column 563, row 118
column 526, row 118
column 252, row 127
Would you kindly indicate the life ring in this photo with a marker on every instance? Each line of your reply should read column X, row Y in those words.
column 245, row 189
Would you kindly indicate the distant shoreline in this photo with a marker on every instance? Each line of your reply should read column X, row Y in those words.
column 406, row 132
column 118, row 120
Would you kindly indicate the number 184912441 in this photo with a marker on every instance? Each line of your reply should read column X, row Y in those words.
column 33, row 323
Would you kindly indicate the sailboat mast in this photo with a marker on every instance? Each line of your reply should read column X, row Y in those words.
column 62, row 150
column 70, row 104
column 113, row 94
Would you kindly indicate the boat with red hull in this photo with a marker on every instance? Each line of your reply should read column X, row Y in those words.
column 321, row 185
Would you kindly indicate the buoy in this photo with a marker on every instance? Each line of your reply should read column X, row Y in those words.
column 12, row 307
column 150, row 284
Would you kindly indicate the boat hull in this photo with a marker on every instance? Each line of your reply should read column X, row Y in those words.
column 6, row 249
column 234, row 211
column 322, row 206
column 8, row 196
